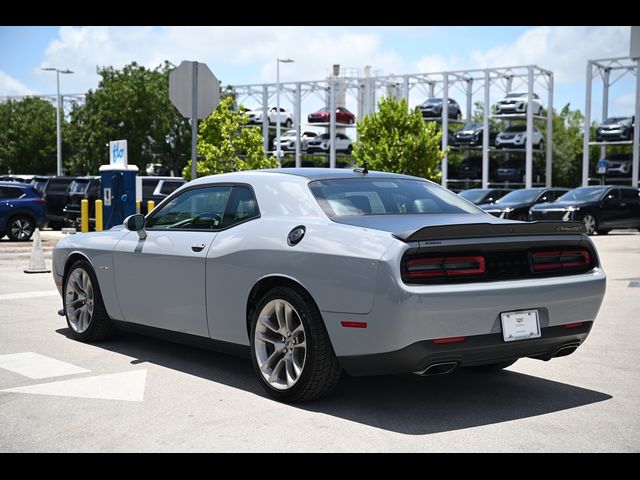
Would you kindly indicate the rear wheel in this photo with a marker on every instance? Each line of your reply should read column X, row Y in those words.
column 290, row 348
column 589, row 222
column 288, row 123
column 83, row 306
column 20, row 228
column 493, row 367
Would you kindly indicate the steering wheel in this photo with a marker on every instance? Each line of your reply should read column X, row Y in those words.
column 205, row 221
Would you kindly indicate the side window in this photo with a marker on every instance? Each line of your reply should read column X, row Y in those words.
column 613, row 194
column 170, row 187
column 197, row 209
column 148, row 186
column 242, row 206
column 545, row 197
column 9, row 193
column 630, row 194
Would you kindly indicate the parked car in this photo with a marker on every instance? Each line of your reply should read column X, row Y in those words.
column 471, row 134
column 515, row 205
column 510, row 171
column 38, row 182
column 618, row 164
column 432, row 107
column 286, row 117
column 484, row 196
column 157, row 189
column 288, row 140
column 22, row 209
column 515, row 136
column 616, row 129
column 315, row 271
column 321, row 144
column 19, row 178
column 81, row 188
column 516, row 102
column 157, row 169
column 324, row 115
column 599, row 208
column 55, row 193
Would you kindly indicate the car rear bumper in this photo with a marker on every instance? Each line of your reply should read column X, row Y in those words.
column 474, row 350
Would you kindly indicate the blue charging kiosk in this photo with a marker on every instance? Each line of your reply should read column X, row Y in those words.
column 120, row 187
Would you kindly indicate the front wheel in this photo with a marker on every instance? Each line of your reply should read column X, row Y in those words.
column 589, row 222
column 288, row 123
column 290, row 348
column 87, row 317
column 20, row 228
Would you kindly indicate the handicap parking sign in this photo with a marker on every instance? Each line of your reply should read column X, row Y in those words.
column 602, row 166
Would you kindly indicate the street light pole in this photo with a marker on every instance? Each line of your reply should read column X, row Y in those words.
column 58, row 115
column 278, row 61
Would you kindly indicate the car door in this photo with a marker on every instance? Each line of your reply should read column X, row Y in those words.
column 631, row 201
column 160, row 280
column 610, row 210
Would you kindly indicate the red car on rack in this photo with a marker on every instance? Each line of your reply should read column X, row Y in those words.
column 323, row 115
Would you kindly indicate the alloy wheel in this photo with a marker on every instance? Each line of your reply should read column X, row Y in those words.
column 589, row 223
column 79, row 300
column 21, row 229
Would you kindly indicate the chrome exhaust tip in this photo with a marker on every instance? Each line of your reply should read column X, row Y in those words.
column 439, row 368
column 565, row 350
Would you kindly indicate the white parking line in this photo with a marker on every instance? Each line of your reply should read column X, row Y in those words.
column 39, row 293
column 127, row 386
column 36, row 366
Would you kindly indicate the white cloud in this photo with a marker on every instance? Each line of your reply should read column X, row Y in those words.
column 437, row 63
column 11, row 86
column 563, row 50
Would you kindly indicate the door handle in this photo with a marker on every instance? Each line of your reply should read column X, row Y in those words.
column 198, row 247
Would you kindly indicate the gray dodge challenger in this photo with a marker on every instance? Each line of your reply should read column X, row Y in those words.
column 315, row 271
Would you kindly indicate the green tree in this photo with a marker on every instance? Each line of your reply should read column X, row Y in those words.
column 226, row 144
column 395, row 139
column 132, row 104
column 28, row 136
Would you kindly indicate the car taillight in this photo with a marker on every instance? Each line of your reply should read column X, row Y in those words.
column 560, row 259
column 39, row 200
column 438, row 267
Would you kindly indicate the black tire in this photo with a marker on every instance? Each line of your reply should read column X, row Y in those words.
column 288, row 123
column 20, row 228
column 100, row 325
column 603, row 231
column 352, row 121
column 321, row 371
column 349, row 149
column 493, row 367
column 459, row 115
column 541, row 145
column 2, row 233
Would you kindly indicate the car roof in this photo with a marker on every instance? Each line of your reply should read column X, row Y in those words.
column 15, row 184
column 159, row 177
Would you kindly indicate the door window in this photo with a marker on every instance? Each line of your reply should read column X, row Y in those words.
column 196, row 209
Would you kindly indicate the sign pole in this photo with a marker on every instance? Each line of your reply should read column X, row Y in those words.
column 194, row 122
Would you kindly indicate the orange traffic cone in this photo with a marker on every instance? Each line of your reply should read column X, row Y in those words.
column 37, row 263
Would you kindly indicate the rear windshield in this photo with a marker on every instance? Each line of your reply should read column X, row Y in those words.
column 474, row 195
column 78, row 187
column 382, row 196
column 583, row 194
column 520, row 196
column 38, row 185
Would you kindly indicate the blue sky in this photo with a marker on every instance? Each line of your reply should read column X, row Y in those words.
column 241, row 55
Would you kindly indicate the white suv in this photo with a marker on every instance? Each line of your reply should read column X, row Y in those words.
column 286, row 117
column 288, row 140
column 321, row 144
column 516, row 102
column 516, row 137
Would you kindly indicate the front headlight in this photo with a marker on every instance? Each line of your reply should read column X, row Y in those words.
column 573, row 209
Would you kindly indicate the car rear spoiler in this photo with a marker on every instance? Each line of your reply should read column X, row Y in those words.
column 476, row 230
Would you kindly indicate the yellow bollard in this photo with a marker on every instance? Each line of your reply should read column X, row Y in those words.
column 84, row 215
column 137, row 206
column 98, row 215
column 150, row 205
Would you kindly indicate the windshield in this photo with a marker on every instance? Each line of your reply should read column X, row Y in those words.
column 517, row 128
column 583, row 194
column 382, row 196
column 471, row 126
column 617, row 120
column 78, row 187
column 474, row 196
column 520, row 196
column 433, row 101
column 515, row 95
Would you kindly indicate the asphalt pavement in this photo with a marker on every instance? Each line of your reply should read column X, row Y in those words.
column 138, row 394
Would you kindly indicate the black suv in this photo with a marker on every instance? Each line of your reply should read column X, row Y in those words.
column 600, row 208
column 484, row 195
column 157, row 189
column 79, row 189
column 432, row 107
column 54, row 190
column 471, row 134
column 616, row 129
column 515, row 205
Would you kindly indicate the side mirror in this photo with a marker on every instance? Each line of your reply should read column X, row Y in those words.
column 135, row 223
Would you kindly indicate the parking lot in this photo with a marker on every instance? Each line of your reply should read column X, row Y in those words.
column 142, row 394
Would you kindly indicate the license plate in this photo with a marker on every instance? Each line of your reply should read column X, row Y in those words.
column 520, row 325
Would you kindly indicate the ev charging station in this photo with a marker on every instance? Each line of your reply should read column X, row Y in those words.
column 120, row 185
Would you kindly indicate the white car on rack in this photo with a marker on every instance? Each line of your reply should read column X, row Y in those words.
column 516, row 102
column 286, row 117
column 322, row 144
column 516, row 137
column 288, row 140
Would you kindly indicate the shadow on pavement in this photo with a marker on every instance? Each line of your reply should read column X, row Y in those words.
column 403, row 403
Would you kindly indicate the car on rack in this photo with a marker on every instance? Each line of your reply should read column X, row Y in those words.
column 288, row 140
column 599, row 208
column 81, row 188
column 286, row 117
column 22, row 209
column 484, row 196
column 314, row 271
column 515, row 205
column 515, row 136
column 471, row 135
column 516, row 103
column 323, row 115
column 616, row 129
column 432, row 108
column 322, row 143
